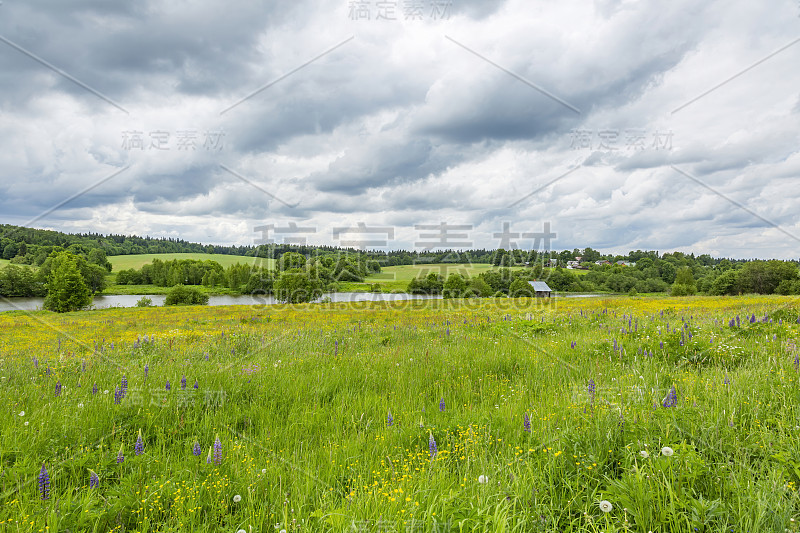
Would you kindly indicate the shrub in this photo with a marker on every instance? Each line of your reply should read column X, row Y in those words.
column 183, row 295
column 144, row 301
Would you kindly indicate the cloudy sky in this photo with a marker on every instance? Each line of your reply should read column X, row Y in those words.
column 622, row 124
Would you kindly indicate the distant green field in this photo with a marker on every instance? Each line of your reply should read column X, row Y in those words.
column 4, row 262
column 408, row 272
column 124, row 262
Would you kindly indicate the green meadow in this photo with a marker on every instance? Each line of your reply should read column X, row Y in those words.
column 583, row 414
column 124, row 262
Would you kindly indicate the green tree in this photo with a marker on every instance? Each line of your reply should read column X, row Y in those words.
column 520, row 288
column 684, row 283
column 66, row 288
column 294, row 286
column 186, row 295
column 455, row 286
column 98, row 257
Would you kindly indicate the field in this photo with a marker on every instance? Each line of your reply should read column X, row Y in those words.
column 396, row 278
column 594, row 414
column 4, row 262
column 124, row 262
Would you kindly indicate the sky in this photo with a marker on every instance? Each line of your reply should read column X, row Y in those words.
column 405, row 124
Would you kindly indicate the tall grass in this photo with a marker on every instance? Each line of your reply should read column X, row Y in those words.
column 300, row 398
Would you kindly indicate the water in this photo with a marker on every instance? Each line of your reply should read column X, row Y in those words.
column 129, row 300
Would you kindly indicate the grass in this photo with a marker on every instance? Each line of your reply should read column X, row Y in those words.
column 4, row 262
column 325, row 416
column 124, row 262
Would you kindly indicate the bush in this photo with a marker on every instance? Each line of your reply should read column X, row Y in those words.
column 183, row 295
column 144, row 301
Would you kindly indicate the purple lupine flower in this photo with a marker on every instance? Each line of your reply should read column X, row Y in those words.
column 35, row 362
column 526, row 423
column 208, row 457
column 591, row 390
column 146, row 370
column 44, row 483
column 83, row 365
column 196, row 384
column 441, row 404
column 120, row 456
column 432, row 448
column 726, row 381
column 217, row 451
column 737, row 321
column 168, row 386
column 671, row 400
column 732, row 323
column 46, row 370
column 117, row 395
column 94, row 388
column 661, row 344
column 94, row 479
column 183, row 382
column 753, row 319
column 389, row 420
column 335, row 348
column 139, row 447
column 196, row 450
column 123, row 387
column 797, row 361
column 58, row 388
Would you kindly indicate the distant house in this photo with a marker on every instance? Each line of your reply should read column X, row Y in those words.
column 626, row 263
column 603, row 262
column 573, row 264
column 541, row 289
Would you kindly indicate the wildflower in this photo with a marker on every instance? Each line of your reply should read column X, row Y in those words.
column 58, row 388
column 22, row 413
column 526, row 423
column 35, row 362
column 237, row 499
column 208, row 457
column 217, row 451
column 183, row 382
column 80, row 405
column 441, row 404
column 44, row 483
column 606, row 506
column 196, row 384
column 120, row 456
column 94, row 388
column 671, row 399
column 666, row 451
column 117, row 395
column 263, row 470
column 644, row 454
column 591, row 389
column 168, row 387
column 139, row 447
column 146, row 370
column 483, row 479
column 726, row 381
column 432, row 445
column 94, row 479
column 123, row 387
column 196, row 450
column 389, row 419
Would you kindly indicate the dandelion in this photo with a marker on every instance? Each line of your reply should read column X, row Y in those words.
column 389, row 419
column 217, row 451
column 483, row 479
column 263, row 470
column 237, row 499
column 644, row 454
column 120, row 456
column 94, row 479
column 22, row 413
column 606, row 506
column 666, row 451
column 44, row 483
column 196, row 450
column 432, row 446
column 526, row 423
column 441, row 404
column 139, row 447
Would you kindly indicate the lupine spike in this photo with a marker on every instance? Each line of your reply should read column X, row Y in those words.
column 196, row 450
column 217, row 451
column 441, row 404
column 432, row 446
column 120, row 455
column 139, row 447
column 94, row 479
column 183, row 382
column 526, row 423
column 389, row 419
column 44, row 483
column 208, row 457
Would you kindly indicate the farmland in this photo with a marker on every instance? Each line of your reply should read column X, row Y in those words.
column 601, row 414
column 124, row 262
